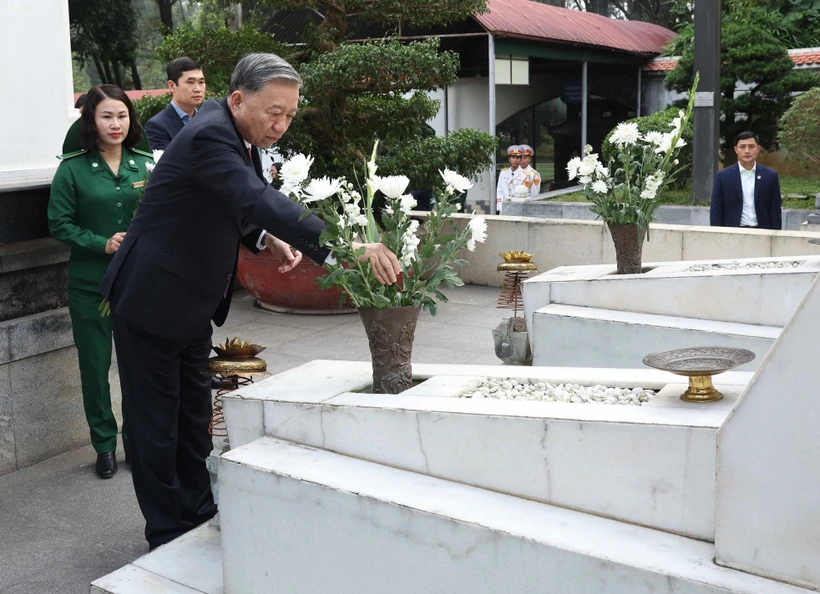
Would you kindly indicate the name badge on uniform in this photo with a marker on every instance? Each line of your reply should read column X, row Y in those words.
column 139, row 184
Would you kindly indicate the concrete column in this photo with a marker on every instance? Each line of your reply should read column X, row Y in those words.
column 37, row 89
column 707, row 99
column 584, row 112
column 638, row 101
column 491, row 112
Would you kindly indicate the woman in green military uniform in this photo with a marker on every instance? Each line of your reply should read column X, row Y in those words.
column 93, row 197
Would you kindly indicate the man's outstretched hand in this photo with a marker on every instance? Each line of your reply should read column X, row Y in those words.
column 384, row 263
column 282, row 253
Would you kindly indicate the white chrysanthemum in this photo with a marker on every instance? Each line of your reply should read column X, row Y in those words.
column 321, row 188
column 407, row 203
column 394, row 186
column 572, row 167
column 521, row 191
column 457, row 182
column 585, row 179
column 388, row 209
column 601, row 171
column 478, row 232
column 157, row 155
column 296, row 169
column 589, row 164
column 626, row 134
column 599, row 187
column 653, row 137
column 149, row 167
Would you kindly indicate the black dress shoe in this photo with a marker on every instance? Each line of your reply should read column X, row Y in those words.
column 106, row 466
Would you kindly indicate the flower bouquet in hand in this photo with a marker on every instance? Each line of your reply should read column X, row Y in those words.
column 427, row 255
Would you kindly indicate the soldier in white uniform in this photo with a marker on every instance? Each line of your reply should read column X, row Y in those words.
column 532, row 179
column 510, row 177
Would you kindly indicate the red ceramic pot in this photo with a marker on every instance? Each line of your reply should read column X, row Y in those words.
column 292, row 292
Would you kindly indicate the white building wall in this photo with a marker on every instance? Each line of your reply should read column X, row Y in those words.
column 36, row 94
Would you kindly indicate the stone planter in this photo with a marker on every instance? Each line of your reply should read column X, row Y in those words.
column 292, row 292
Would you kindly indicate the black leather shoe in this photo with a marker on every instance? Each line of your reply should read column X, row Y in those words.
column 106, row 466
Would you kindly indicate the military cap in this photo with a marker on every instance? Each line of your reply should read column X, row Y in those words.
column 514, row 151
column 526, row 150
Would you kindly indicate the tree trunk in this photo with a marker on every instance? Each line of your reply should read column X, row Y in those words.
column 165, row 15
column 107, row 67
column 99, row 67
column 117, row 73
column 235, row 17
column 135, row 76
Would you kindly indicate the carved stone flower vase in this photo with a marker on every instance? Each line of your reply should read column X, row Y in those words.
column 390, row 333
column 628, row 240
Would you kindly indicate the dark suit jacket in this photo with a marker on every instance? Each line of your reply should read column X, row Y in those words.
column 163, row 127
column 727, row 198
column 175, row 270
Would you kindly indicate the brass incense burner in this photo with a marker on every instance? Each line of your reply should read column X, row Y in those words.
column 699, row 364
column 236, row 357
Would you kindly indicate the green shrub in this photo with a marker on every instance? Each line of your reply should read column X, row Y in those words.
column 800, row 129
column 660, row 122
column 217, row 50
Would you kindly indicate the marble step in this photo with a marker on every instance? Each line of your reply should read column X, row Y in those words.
column 191, row 564
column 303, row 520
column 567, row 335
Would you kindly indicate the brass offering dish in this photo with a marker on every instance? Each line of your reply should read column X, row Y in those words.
column 699, row 364
column 517, row 261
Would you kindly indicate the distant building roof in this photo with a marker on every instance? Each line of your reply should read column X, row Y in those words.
column 533, row 20
column 808, row 57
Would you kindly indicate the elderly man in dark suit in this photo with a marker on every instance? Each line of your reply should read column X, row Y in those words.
column 746, row 194
column 174, row 273
column 187, row 84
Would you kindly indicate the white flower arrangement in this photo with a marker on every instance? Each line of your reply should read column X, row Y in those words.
column 627, row 192
column 426, row 255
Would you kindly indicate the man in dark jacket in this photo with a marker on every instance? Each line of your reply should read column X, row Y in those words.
column 746, row 194
column 187, row 84
column 174, row 273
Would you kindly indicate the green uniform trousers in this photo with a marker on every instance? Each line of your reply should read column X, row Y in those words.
column 92, row 337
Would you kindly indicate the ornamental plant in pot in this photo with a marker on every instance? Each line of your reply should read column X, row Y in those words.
column 427, row 255
column 626, row 192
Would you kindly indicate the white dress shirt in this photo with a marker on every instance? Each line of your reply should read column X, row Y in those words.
column 748, row 218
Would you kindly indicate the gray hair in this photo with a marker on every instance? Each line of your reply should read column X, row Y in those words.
column 254, row 71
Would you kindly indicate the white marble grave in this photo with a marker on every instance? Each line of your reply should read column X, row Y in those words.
column 589, row 316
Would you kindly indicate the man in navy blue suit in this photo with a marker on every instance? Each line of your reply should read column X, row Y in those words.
column 746, row 194
column 174, row 273
column 187, row 84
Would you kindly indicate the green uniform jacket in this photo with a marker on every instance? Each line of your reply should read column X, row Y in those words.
column 89, row 204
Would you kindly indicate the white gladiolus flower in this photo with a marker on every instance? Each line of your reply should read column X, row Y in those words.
column 572, row 167
column 626, row 134
column 394, row 186
column 651, row 186
column 599, row 187
column 478, row 232
column 295, row 170
column 457, row 182
column 407, row 203
column 319, row 189
column 409, row 244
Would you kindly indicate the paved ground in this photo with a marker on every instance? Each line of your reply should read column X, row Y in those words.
column 61, row 527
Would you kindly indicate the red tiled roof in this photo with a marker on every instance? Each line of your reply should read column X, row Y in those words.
column 533, row 20
column 800, row 57
column 134, row 95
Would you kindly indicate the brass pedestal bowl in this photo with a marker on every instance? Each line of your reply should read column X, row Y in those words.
column 699, row 364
